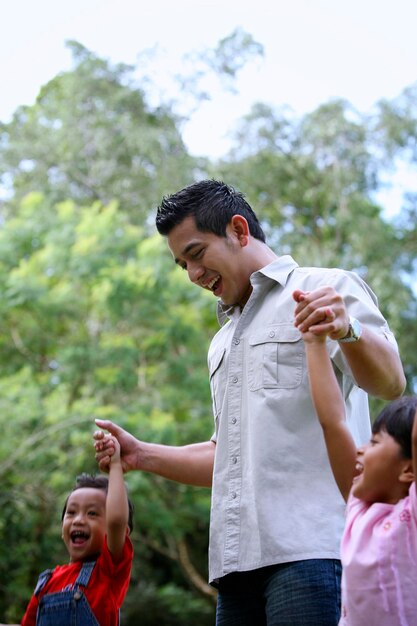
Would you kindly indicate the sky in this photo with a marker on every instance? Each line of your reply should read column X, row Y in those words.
column 314, row 50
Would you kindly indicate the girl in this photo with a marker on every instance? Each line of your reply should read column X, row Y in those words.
column 379, row 544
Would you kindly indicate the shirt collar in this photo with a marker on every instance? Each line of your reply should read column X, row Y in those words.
column 278, row 271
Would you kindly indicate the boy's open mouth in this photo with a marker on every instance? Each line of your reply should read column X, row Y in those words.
column 78, row 537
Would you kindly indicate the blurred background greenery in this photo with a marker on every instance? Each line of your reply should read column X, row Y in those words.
column 96, row 320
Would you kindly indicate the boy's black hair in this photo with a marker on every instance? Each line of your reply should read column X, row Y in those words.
column 96, row 482
column 397, row 420
column 212, row 203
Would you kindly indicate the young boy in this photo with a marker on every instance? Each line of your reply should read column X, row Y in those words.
column 96, row 522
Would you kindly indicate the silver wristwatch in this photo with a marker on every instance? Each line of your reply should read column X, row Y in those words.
column 354, row 332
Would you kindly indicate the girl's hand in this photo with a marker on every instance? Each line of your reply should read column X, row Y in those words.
column 318, row 331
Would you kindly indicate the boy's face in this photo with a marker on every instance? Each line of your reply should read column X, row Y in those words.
column 84, row 523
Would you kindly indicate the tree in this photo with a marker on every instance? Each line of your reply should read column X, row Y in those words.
column 313, row 183
column 92, row 137
column 97, row 322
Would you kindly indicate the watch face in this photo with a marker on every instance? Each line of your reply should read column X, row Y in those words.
column 355, row 331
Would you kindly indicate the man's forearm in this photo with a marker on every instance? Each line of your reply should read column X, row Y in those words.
column 191, row 464
column 376, row 365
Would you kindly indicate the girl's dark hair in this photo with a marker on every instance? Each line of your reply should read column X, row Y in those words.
column 212, row 203
column 397, row 420
column 96, row 482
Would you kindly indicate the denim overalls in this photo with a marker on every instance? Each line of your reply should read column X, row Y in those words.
column 66, row 608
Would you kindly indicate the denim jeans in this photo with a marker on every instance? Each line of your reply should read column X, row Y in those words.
column 302, row 593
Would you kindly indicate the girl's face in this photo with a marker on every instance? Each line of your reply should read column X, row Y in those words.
column 380, row 465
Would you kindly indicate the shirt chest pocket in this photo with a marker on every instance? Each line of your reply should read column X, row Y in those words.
column 275, row 358
column 217, row 379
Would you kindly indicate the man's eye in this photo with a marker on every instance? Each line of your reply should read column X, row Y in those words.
column 93, row 513
column 197, row 254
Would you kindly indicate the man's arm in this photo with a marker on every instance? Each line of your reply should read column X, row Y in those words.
column 376, row 365
column 191, row 464
column 374, row 362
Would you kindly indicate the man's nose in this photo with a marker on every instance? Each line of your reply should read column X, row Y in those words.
column 195, row 272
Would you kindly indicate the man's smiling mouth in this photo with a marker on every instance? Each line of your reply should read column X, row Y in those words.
column 212, row 283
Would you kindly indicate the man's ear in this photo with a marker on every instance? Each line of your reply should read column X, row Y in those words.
column 407, row 473
column 240, row 228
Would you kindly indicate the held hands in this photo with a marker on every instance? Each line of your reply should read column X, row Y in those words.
column 320, row 313
column 116, row 443
column 104, row 442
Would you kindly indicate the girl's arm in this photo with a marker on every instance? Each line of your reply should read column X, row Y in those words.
column 329, row 404
column 117, row 508
column 330, row 408
column 414, row 449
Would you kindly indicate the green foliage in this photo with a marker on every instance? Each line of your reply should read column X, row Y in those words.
column 92, row 136
column 312, row 183
column 96, row 320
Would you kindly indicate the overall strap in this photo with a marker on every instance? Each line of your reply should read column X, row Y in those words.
column 84, row 576
column 42, row 580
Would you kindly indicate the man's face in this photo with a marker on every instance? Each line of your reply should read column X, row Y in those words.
column 212, row 262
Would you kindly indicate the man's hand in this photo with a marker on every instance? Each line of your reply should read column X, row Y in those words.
column 105, row 446
column 321, row 312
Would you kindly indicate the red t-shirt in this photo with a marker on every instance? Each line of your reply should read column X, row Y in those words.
column 105, row 591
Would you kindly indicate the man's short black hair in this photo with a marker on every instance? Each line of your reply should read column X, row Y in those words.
column 96, row 482
column 212, row 203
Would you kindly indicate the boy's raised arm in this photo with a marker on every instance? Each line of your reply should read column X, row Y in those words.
column 117, row 507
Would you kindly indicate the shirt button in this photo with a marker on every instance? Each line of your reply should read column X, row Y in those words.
column 234, row 460
column 235, row 379
column 233, row 420
column 237, row 341
column 272, row 333
column 234, row 494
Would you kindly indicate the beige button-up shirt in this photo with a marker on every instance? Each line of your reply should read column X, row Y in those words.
column 274, row 499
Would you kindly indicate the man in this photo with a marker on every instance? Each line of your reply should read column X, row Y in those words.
column 277, row 516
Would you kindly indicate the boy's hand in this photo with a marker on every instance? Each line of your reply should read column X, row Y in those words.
column 107, row 443
column 130, row 447
column 318, row 331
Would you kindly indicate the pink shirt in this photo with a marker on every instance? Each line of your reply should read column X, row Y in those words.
column 379, row 558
